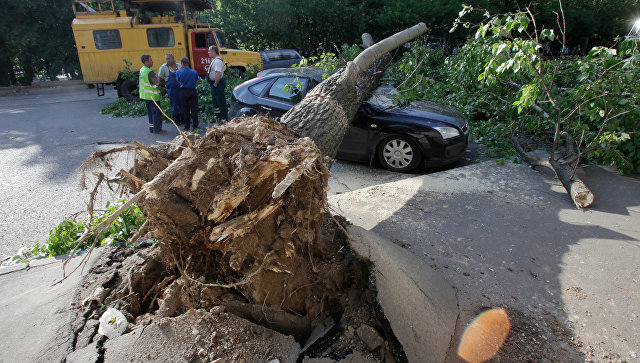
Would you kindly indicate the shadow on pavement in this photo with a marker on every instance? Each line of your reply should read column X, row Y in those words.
column 504, row 237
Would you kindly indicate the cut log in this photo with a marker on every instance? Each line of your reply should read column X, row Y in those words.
column 326, row 112
column 579, row 193
column 367, row 40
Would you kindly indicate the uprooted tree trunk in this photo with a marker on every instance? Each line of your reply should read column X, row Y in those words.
column 564, row 168
column 240, row 210
column 325, row 113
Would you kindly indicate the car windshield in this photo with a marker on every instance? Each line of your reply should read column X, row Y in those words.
column 222, row 40
column 383, row 98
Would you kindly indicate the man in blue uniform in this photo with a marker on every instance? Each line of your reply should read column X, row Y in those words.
column 187, row 78
column 167, row 75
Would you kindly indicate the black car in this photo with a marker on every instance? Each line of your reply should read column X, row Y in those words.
column 400, row 138
column 280, row 58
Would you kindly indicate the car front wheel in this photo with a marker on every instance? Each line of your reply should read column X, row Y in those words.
column 399, row 153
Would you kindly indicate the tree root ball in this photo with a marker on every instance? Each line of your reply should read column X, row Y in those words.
column 241, row 210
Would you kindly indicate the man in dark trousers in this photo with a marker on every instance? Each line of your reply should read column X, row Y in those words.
column 167, row 75
column 215, row 77
column 187, row 78
column 149, row 92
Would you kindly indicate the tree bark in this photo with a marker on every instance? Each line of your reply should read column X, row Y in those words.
column 326, row 112
column 579, row 193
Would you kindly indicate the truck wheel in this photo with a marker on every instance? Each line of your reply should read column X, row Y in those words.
column 127, row 88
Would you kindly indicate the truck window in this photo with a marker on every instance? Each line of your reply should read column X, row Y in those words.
column 222, row 40
column 201, row 40
column 107, row 39
column 160, row 37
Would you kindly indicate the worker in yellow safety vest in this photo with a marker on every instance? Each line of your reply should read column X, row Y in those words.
column 150, row 92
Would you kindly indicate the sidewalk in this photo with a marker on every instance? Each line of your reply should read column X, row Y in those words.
column 508, row 236
column 36, row 313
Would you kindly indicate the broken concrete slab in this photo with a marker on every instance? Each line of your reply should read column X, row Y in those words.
column 420, row 305
column 36, row 313
column 89, row 353
column 198, row 336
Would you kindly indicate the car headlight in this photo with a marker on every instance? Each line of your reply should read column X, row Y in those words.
column 447, row 132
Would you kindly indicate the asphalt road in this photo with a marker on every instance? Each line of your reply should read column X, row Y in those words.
column 45, row 136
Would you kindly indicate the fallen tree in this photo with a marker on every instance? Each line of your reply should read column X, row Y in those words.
column 326, row 112
column 237, row 213
column 510, row 49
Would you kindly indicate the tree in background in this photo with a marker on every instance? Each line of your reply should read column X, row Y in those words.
column 303, row 25
column 36, row 38
column 309, row 25
column 590, row 23
column 437, row 14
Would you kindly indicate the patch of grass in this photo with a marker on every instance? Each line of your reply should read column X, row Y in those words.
column 62, row 238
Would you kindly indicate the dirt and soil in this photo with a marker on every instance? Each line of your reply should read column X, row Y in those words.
column 163, row 328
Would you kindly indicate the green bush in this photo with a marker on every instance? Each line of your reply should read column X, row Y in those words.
column 598, row 95
column 62, row 239
column 124, row 108
column 349, row 52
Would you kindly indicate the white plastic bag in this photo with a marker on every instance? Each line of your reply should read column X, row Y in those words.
column 112, row 323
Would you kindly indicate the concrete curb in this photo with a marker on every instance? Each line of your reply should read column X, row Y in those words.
column 420, row 305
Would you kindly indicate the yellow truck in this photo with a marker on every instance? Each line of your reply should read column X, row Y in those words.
column 106, row 37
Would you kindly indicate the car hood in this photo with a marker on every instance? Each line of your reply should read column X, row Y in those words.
column 433, row 111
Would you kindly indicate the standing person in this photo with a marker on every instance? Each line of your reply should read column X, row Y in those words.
column 167, row 74
column 149, row 92
column 188, row 78
column 215, row 77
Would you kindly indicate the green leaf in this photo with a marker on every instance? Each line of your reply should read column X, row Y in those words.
column 547, row 34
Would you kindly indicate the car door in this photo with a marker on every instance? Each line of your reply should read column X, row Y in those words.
column 282, row 95
column 355, row 145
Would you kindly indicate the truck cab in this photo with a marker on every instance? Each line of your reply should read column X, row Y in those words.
column 235, row 61
column 111, row 40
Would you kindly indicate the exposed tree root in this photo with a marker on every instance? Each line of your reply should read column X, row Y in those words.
column 240, row 211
